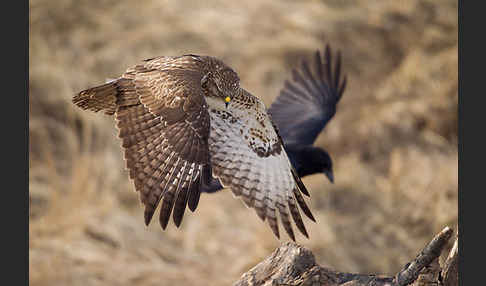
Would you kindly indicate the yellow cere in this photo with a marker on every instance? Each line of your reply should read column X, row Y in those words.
column 227, row 99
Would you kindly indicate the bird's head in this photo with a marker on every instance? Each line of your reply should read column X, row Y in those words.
column 220, row 82
column 314, row 160
column 325, row 163
column 327, row 166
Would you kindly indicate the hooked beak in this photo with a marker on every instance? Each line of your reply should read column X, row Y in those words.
column 329, row 175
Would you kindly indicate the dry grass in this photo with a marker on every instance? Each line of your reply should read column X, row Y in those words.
column 393, row 140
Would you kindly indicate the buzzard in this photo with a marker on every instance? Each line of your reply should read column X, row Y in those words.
column 303, row 108
column 185, row 119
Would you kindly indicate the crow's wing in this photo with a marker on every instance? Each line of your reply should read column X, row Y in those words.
column 308, row 102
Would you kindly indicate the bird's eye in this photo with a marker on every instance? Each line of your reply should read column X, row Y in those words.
column 227, row 99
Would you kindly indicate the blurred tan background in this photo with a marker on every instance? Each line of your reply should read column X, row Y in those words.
column 393, row 139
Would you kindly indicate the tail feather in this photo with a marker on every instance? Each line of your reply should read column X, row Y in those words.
column 99, row 98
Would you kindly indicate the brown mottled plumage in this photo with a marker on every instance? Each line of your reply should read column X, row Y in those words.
column 182, row 120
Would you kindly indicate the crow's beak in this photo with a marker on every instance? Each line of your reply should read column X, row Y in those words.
column 329, row 175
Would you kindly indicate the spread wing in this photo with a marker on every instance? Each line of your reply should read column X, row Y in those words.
column 164, row 126
column 247, row 155
column 308, row 102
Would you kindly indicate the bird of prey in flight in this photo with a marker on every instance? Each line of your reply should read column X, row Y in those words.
column 301, row 111
column 183, row 120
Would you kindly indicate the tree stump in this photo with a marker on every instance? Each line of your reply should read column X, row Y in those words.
column 292, row 264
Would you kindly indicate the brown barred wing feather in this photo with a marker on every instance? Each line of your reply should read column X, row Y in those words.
column 164, row 127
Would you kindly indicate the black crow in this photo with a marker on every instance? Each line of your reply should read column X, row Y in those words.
column 302, row 110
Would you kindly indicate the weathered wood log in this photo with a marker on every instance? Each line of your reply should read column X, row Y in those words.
column 292, row 264
column 450, row 271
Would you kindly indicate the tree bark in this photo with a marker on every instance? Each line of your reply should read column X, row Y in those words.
column 450, row 272
column 292, row 264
